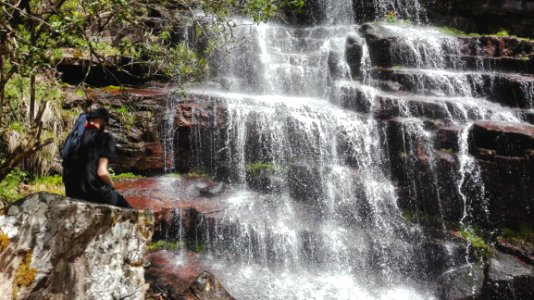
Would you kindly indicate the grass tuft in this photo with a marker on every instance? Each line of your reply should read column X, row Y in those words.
column 165, row 245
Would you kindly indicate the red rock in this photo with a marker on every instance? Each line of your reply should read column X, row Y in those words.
column 507, row 139
column 181, row 276
column 181, row 210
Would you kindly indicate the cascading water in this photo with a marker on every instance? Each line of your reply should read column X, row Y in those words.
column 313, row 210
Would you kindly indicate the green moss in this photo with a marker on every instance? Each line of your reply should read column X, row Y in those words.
column 451, row 31
column 196, row 247
column 475, row 238
column 178, row 245
column 524, row 57
column 113, row 88
column 174, row 175
column 502, row 32
column 257, row 167
column 25, row 275
column 447, row 150
column 127, row 175
column 166, row 245
column 191, row 175
column 197, row 174
column 79, row 93
column 457, row 32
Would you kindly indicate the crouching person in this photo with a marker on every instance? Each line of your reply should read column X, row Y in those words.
column 86, row 176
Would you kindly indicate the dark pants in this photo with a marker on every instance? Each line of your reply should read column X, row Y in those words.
column 110, row 196
column 118, row 200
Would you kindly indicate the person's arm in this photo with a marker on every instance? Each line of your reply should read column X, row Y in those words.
column 103, row 173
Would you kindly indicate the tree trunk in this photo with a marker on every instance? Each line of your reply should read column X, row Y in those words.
column 29, row 145
column 32, row 97
column 1, row 88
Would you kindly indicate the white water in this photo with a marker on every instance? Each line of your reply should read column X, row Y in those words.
column 285, row 90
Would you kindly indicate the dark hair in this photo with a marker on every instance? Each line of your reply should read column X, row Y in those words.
column 99, row 113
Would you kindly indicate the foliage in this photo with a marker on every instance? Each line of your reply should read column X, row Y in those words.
column 10, row 186
column 50, row 184
column 36, row 35
column 18, row 185
column 390, row 17
column 126, row 118
column 525, row 235
column 457, row 32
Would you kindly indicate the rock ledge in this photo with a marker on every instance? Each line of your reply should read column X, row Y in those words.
column 60, row 248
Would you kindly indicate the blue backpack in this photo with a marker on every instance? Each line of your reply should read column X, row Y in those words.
column 73, row 141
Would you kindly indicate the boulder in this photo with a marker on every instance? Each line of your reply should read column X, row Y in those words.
column 60, row 248
column 509, row 278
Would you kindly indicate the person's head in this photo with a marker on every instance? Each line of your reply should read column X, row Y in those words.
column 90, row 107
column 99, row 117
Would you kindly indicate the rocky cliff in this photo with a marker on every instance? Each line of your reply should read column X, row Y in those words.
column 481, row 16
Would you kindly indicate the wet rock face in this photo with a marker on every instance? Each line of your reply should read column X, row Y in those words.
column 483, row 16
column 185, row 280
column 61, row 248
column 505, row 152
column 206, row 286
column 464, row 282
column 509, row 278
column 354, row 53
column 136, row 119
column 140, row 126
column 502, row 54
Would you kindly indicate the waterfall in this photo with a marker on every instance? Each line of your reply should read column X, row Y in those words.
column 314, row 211
column 168, row 131
column 402, row 9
